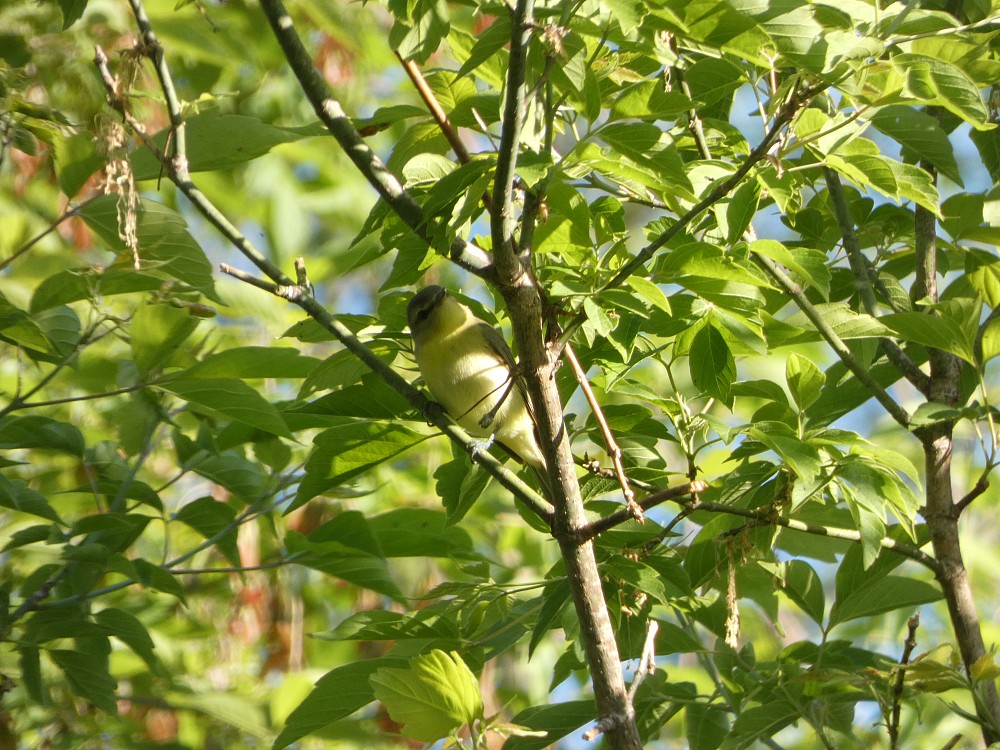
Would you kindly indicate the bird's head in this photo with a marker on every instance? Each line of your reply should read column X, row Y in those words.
column 433, row 311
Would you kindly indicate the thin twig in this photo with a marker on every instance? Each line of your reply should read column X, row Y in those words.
column 68, row 213
column 647, row 662
column 897, row 689
column 240, row 569
column 862, row 281
column 676, row 494
column 435, row 108
column 19, row 400
column 846, row 356
column 614, row 451
column 978, row 489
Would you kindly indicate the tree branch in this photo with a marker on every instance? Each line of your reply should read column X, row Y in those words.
column 503, row 221
column 897, row 689
column 720, row 191
column 862, row 280
column 331, row 114
column 609, row 439
column 435, row 108
column 846, row 356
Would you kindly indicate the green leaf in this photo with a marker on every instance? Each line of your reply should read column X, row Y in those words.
column 253, row 362
column 76, row 284
column 846, row 323
column 735, row 215
column 16, row 495
column 940, row 83
column 420, row 532
column 19, row 328
column 804, row 587
column 350, row 449
column 808, row 265
column 227, row 398
column 129, row 630
column 163, row 239
column 760, row 721
column 209, row 517
column 705, row 727
column 218, row 141
column 459, row 484
column 885, row 594
column 76, row 160
column 933, row 331
column 420, row 27
column 229, row 468
column 157, row 333
column 801, row 457
column 72, row 11
column 155, row 577
column 88, row 676
column 36, row 431
column 338, row 693
column 491, row 41
column 805, row 380
column 649, row 100
column 379, row 625
column 345, row 562
column 982, row 269
column 433, row 696
column 921, row 134
column 712, row 366
column 556, row 720
column 991, row 341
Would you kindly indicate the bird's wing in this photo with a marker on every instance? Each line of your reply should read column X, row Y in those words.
column 499, row 345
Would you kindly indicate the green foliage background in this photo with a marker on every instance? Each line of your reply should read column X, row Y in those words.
column 158, row 419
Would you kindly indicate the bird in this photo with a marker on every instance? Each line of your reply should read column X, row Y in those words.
column 469, row 370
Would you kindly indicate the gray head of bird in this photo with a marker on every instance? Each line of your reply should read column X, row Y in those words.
column 430, row 309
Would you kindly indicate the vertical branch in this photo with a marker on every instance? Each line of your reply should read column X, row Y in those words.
column 503, row 222
column 616, row 716
column 897, row 689
column 941, row 512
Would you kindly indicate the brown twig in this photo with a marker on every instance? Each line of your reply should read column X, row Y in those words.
column 897, row 689
column 614, row 451
column 436, row 110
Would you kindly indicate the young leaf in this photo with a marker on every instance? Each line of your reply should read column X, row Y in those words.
column 712, row 366
column 432, row 697
column 805, row 380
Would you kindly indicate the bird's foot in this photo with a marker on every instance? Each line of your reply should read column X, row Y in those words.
column 481, row 446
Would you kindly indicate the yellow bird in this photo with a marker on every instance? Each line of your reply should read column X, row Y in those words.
column 469, row 369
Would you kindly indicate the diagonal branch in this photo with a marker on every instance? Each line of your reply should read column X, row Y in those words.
column 331, row 114
column 614, row 451
column 299, row 294
column 862, row 280
column 846, row 356
column 436, row 110
column 720, row 191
